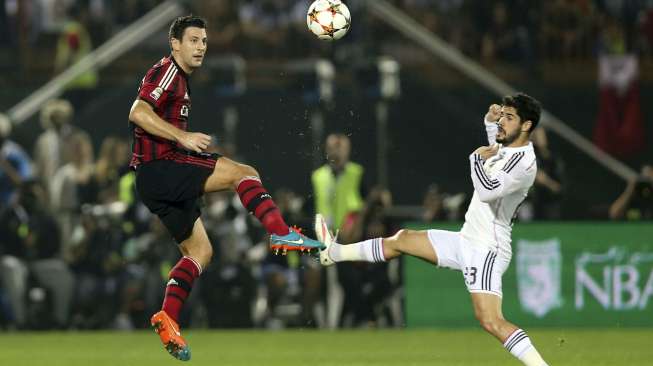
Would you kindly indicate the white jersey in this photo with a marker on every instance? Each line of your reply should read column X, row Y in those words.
column 500, row 185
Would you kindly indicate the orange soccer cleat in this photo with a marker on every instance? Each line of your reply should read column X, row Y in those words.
column 168, row 331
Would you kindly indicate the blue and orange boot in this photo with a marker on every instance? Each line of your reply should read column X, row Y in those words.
column 294, row 240
column 168, row 331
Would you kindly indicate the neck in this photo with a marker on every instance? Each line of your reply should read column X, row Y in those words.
column 181, row 64
column 520, row 142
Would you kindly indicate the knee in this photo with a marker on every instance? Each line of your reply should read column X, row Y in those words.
column 202, row 255
column 206, row 256
column 247, row 171
column 399, row 240
column 489, row 323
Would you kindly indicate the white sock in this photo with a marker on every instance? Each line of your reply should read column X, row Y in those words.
column 520, row 346
column 365, row 251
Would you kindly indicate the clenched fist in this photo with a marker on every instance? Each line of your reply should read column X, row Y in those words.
column 487, row 152
column 195, row 141
column 493, row 113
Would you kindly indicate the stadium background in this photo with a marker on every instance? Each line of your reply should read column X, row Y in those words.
column 550, row 49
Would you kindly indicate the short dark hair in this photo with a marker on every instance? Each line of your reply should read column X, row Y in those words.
column 180, row 24
column 528, row 108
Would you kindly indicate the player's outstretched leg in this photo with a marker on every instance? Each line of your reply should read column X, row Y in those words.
column 487, row 308
column 415, row 243
column 245, row 180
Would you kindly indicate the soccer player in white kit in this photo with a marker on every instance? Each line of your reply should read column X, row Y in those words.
column 502, row 173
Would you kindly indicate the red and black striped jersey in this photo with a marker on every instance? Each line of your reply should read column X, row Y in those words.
column 165, row 87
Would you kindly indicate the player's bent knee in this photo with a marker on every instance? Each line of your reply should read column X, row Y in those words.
column 247, row 171
column 401, row 239
column 490, row 324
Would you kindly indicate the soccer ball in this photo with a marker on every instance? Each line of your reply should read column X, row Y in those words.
column 328, row 19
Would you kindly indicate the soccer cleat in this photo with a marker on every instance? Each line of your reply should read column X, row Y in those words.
column 324, row 235
column 294, row 240
column 168, row 331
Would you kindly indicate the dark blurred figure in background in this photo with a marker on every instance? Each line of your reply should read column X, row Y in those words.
column 338, row 191
column 548, row 188
column 293, row 281
column 98, row 263
column 369, row 287
column 265, row 25
column 31, row 256
column 636, row 202
column 15, row 165
column 54, row 147
column 111, row 165
column 74, row 44
column 224, row 31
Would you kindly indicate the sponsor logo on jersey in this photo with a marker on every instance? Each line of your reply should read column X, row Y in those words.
column 539, row 269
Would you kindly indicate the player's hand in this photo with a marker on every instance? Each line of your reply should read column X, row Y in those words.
column 195, row 141
column 493, row 113
column 487, row 152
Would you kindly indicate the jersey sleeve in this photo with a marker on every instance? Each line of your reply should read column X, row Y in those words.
column 491, row 128
column 156, row 84
column 514, row 175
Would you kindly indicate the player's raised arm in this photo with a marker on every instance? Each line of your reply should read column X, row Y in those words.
column 515, row 174
column 143, row 115
column 491, row 118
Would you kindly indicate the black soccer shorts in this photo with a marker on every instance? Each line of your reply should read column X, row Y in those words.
column 172, row 190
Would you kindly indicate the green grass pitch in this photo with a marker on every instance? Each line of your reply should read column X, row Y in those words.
column 317, row 348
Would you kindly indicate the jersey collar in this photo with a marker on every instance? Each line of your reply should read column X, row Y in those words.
column 179, row 69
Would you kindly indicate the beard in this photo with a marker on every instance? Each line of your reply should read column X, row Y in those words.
column 508, row 139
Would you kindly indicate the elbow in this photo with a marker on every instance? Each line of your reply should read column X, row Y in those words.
column 138, row 112
column 135, row 114
column 487, row 196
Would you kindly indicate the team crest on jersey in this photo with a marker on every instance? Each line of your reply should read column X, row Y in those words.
column 156, row 93
column 539, row 267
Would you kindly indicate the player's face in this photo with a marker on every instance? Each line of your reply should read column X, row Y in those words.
column 510, row 126
column 192, row 47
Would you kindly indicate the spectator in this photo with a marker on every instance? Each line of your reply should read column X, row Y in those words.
column 265, row 25
column 224, row 30
column 338, row 185
column 369, row 286
column 337, row 189
column 53, row 147
column 32, row 245
column 548, row 186
column 636, row 202
column 292, row 279
column 72, row 186
column 111, row 165
column 433, row 205
column 74, row 44
column 15, row 165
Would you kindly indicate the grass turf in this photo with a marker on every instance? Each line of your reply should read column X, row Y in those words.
column 316, row 348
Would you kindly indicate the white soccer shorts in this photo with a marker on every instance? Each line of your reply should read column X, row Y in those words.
column 482, row 268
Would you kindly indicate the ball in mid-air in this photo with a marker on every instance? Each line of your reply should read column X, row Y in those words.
column 328, row 19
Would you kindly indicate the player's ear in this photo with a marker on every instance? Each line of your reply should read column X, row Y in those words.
column 526, row 126
column 175, row 44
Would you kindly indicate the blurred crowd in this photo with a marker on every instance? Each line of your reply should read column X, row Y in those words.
column 519, row 31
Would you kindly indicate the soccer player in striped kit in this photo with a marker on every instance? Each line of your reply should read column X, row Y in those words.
column 501, row 175
column 173, row 171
